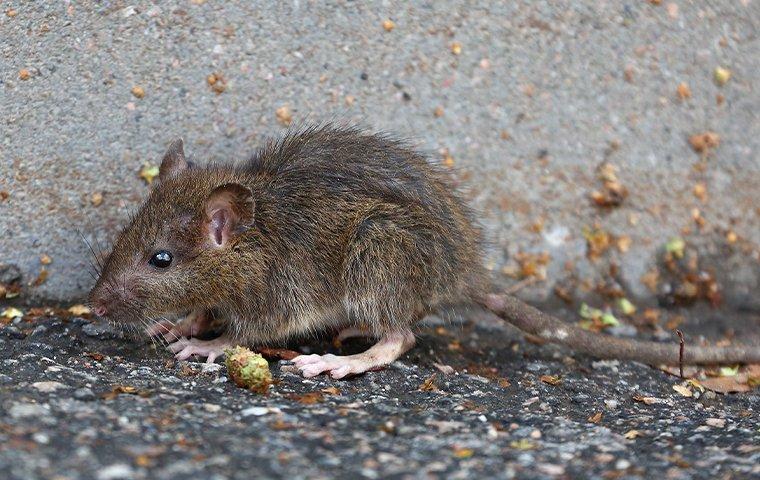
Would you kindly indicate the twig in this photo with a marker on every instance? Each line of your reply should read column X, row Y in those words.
column 680, row 352
column 521, row 284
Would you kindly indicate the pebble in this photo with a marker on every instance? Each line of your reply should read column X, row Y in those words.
column 99, row 330
column 48, row 387
column 117, row 471
column 23, row 410
column 210, row 367
column 84, row 394
column 258, row 411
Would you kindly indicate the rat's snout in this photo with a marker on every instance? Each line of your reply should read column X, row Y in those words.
column 100, row 310
column 107, row 301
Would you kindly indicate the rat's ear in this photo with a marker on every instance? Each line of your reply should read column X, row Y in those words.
column 173, row 161
column 229, row 208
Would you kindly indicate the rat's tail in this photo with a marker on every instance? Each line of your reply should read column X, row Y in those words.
column 549, row 328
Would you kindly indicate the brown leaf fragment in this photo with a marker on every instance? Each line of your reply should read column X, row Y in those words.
column 429, row 384
column 683, row 91
column 331, row 391
column 278, row 353
column 704, row 142
column 550, row 379
column 284, row 115
column 307, row 398
column 646, row 400
column 596, row 418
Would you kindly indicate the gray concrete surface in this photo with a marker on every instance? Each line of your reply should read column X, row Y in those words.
column 80, row 401
column 563, row 80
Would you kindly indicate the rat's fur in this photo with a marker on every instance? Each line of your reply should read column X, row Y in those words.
column 329, row 227
column 348, row 229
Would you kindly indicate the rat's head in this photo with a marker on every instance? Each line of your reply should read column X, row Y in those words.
column 179, row 252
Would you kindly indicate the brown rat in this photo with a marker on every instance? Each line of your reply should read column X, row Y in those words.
column 327, row 228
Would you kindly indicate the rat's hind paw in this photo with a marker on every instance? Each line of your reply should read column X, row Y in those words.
column 388, row 349
column 185, row 348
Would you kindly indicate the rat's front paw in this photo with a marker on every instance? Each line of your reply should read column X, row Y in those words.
column 192, row 325
column 185, row 348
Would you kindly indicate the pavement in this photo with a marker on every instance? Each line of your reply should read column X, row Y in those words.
column 473, row 399
column 524, row 99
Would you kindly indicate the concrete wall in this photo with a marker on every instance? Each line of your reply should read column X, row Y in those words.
column 527, row 98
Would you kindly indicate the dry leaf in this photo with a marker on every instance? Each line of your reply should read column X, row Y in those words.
column 79, row 309
column 463, row 452
column 284, row 115
column 148, row 172
column 703, row 142
column 685, row 391
column 429, row 384
column 12, row 312
column 595, row 418
column 631, row 434
column 308, row 398
column 550, row 379
column 646, row 400
column 722, row 75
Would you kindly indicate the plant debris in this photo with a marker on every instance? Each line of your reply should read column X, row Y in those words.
column 148, row 172
column 247, row 369
column 721, row 75
column 284, row 115
column 704, row 142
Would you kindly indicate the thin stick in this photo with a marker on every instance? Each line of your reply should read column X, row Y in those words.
column 680, row 352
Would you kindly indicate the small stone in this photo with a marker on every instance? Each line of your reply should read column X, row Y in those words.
column 622, row 464
column 84, row 394
column 99, row 330
column 257, row 411
column 211, row 407
column 48, row 387
column 117, row 471
column 456, row 48
column 96, row 199
column 210, row 367
column 23, row 410
column 716, row 422
column 138, row 91
column 388, row 25
column 24, row 74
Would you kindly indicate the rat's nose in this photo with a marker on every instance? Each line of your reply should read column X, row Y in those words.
column 100, row 310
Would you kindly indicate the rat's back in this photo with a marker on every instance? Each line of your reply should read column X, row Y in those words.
column 370, row 223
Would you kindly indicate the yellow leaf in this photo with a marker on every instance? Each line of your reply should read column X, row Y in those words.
column 463, row 452
column 522, row 444
column 685, row 391
column 148, row 172
column 79, row 309
column 550, row 379
column 12, row 312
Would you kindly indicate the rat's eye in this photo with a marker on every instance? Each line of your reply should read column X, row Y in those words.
column 161, row 259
